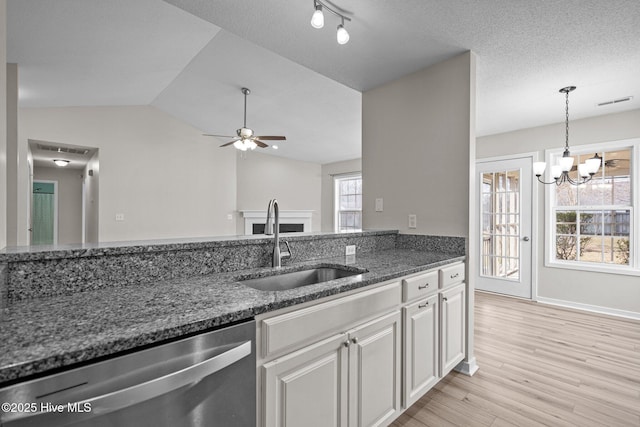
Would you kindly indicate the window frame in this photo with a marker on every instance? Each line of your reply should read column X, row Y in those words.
column 634, row 233
column 336, row 199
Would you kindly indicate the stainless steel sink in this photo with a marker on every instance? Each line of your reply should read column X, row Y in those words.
column 296, row 279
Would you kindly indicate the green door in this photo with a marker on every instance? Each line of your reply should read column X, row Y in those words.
column 43, row 213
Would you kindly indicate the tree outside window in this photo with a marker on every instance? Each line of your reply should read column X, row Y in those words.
column 592, row 222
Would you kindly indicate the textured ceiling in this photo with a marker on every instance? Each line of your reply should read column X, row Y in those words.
column 192, row 60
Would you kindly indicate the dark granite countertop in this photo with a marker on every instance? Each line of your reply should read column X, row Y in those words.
column 46, row 334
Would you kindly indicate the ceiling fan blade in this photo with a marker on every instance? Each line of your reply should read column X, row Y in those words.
column 219, row 136
column 260, row 143
column 228, row 143
column 272, row 138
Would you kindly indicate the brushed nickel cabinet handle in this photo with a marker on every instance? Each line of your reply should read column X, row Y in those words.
column 453, row 276
column 423, row 305
column 423, row 286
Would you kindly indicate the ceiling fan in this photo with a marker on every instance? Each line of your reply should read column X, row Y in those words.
column 245, row 139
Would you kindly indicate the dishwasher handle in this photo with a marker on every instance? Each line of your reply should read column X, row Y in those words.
column 120, row 399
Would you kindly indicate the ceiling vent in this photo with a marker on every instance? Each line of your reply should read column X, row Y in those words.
column 80, row 151
column 615, row 101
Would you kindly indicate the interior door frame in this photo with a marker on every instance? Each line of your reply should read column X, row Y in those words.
column 536, row 244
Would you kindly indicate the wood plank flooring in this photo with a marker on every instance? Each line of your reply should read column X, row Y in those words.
column 540, row 366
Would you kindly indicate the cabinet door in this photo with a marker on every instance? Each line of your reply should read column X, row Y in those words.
column 420, row 367
column 374, row 371
column 308, row 387
column 452, row 322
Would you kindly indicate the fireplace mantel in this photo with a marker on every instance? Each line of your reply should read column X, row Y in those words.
column 286, row 217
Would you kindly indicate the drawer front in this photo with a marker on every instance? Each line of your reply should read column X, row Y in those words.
column 419, row 286
column 451, row 275
column 290, row 331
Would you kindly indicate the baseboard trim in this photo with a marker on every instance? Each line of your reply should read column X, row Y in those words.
column 467, row 367
column 588, row 307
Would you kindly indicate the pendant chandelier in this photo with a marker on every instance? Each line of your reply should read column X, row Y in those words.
column 560, row 172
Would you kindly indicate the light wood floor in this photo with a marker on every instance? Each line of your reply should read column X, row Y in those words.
column 540, row 365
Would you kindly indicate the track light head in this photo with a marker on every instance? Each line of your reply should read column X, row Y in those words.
column 317, row 19
column 342, row 34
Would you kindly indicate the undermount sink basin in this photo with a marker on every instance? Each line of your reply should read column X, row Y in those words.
column 296, row 279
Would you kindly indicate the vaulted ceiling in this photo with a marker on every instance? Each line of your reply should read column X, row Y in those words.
column 190, row 58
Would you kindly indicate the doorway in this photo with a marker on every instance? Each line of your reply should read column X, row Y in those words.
column 505, row 215
column 44, row 213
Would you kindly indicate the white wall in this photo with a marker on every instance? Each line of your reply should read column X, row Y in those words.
column 613, row 292
column 262, row 177
column 69, row 201
column 162, row 174
column 416, row 149
column 329, row 170
column 12, row 153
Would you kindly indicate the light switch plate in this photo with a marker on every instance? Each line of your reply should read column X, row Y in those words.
column 413, row 221
column 379, row 205
column 119, row 217
column 350, row 250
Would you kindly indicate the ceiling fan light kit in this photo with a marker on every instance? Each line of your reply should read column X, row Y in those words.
column 560, row 172
column 245, row 139
column 317, row 20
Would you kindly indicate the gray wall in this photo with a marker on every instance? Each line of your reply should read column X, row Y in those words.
column 3, row 126
column 92, row 199
column 417, row 141
column 610, row 291
column 69, row 200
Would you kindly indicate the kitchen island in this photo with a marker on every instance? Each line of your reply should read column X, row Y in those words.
column 45, row 333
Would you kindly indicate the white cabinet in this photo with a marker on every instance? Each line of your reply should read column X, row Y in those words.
column 308, row 387
column 452, row 327
column 374, row 372
column 351, row 361
column 351, row 378
column 434, row 319
column 420, row 364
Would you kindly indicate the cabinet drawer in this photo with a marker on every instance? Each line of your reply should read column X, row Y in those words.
column 419, row 286
column 451, row 275
column 293, row 330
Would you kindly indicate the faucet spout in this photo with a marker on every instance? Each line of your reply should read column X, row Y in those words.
column 276, row 259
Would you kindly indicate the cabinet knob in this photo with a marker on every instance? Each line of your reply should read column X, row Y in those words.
column 354, row 340
column 423, row 286
column 444, row 299
column 346, row 343
column 423, row 305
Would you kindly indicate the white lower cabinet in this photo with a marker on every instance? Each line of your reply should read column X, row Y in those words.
column 453, row 320
column 421, row 335
column 357, row 360
column 374, row 372
column 308, row 387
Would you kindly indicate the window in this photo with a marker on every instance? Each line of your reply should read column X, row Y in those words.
column 594, row 226
column 348, row 202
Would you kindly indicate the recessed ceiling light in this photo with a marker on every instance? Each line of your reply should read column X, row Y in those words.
column 275, row 147
column 61, row 163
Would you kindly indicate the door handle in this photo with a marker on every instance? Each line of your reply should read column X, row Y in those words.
column 138, row 393
column 525, row 238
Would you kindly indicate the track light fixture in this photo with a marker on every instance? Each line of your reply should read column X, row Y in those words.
column 317, row 20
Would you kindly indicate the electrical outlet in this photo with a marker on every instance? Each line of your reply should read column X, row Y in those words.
column 229, row 217
column 413, row 221
column 379, row 205
column 119, row 217
column 350, row 250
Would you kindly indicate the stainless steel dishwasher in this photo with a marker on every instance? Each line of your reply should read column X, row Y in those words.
column 204, row 380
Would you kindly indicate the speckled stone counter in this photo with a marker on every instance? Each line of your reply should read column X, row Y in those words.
column 42, row 335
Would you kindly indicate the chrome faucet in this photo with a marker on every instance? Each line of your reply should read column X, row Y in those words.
column 276, row 260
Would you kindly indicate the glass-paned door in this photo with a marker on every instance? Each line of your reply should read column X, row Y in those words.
column 504, row 196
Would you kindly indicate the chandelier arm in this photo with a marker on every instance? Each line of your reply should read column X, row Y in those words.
column 547, row 183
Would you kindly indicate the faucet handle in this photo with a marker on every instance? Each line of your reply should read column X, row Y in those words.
column 288, row 253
